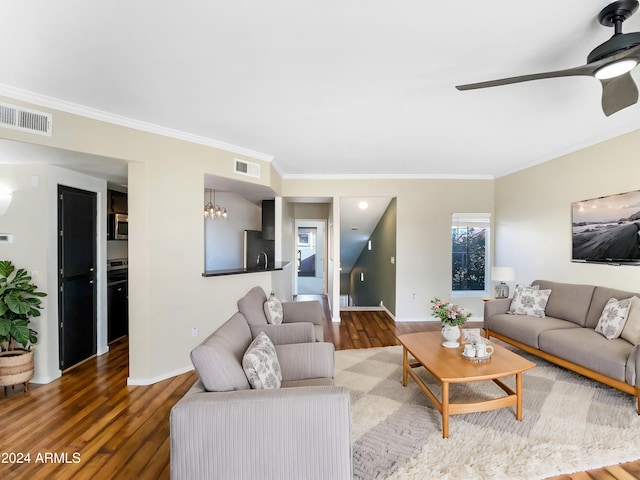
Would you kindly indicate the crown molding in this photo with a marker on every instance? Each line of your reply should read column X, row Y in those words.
column 100, row 115
column 387, row 176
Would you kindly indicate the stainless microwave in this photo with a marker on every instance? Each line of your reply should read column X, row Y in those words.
column 118, row 226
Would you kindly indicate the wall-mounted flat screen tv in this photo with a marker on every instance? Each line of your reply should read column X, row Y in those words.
column 607, row 229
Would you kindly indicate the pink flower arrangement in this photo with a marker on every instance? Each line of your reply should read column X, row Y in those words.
column 448, row 313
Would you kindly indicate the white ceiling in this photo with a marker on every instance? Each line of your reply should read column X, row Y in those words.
column 346, row 87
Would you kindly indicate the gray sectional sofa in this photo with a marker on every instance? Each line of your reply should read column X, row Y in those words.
column 222, row 428
column 566, row 334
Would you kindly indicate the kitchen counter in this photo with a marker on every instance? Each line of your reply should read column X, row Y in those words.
column 241, row 270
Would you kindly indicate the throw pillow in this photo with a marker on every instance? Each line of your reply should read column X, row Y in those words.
column 260, row 363
column 631, row 330
column 517, row 293
column 530, row 301
column 273, row 310
column 613, row 317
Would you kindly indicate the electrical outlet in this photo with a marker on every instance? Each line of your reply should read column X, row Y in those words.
column 194, row 331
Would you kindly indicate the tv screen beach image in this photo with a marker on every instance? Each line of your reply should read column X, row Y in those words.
column 607, row 229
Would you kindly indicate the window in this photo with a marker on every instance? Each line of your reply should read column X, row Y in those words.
column 469, row 252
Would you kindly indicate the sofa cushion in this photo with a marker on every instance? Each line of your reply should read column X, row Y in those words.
column 589, row 349
column 631, row 331
column 273, row 310
column 252, row 306
column 568, row 301
column 601, row 296
column 301, row 361
column 613, row 318
column 529, row 301
column 524, row 328
column 218, row 358
column 260, row 363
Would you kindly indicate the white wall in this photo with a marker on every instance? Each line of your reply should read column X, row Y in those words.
column 533, row 213
column 284, row 249
column 224, row 239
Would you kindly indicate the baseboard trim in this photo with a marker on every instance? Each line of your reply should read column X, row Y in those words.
column 44, row 380
column 150, row 381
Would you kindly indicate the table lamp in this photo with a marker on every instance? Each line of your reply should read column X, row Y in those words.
column 502, row 275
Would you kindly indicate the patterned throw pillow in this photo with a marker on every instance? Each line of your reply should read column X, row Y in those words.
column 530, row 301
column 260, row 363
column 273, row 310
column 613, row 317
column 631, row 330
column 517, row 293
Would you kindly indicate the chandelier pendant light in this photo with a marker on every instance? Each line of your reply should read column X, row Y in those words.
column 213, row 210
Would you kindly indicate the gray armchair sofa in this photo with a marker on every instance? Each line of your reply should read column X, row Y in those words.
column 307, row 316
column 566, row 335
column 223, row 429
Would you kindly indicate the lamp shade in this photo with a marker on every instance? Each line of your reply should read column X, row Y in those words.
column 503, row 274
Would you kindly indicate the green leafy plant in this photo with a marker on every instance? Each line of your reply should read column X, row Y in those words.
column 19, row 301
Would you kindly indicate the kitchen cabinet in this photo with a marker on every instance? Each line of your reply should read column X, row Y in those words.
column 268, row 220
column 118, row 311
column 117, row 202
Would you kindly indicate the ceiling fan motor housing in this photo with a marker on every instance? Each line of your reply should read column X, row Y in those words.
column 612, row 16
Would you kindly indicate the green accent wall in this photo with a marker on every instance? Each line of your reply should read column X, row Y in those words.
column 379, row 273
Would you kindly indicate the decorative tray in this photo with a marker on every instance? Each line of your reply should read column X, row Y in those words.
column 476, row 359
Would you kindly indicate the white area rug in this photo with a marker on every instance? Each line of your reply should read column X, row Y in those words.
column 569, row 424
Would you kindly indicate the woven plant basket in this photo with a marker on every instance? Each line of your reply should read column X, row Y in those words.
column 16, row 367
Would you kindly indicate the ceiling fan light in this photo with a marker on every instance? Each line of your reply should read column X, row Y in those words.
column 616, row 69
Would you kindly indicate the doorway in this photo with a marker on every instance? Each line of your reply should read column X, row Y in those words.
column 368, row 252
column 310, row 257
column 77, row 280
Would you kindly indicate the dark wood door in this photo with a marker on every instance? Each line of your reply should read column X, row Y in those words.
column 77, row 286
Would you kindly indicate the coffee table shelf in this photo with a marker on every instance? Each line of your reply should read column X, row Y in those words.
column 448, row 366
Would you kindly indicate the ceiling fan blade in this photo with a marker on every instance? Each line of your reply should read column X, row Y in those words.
column 618, row 93
column 586, row 70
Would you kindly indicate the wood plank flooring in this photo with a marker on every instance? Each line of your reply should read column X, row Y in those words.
column 90, row 425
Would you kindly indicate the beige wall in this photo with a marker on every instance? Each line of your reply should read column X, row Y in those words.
column 168, row 295
column 424, row 208
column 533, row 212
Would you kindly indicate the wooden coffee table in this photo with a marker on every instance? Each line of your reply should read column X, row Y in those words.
column 448, row 366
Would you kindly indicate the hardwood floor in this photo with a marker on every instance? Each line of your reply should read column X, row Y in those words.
column 90, row 425
column 96, row 426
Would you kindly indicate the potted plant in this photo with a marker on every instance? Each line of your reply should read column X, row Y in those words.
column 19, row 301
column 451, row 317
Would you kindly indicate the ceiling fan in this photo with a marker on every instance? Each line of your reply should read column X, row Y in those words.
column 611, row 62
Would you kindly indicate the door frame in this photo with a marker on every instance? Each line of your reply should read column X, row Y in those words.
column 95, row 286
column 317, row 223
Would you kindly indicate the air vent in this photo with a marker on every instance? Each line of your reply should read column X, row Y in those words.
column 24, row 119
column 247, row 168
